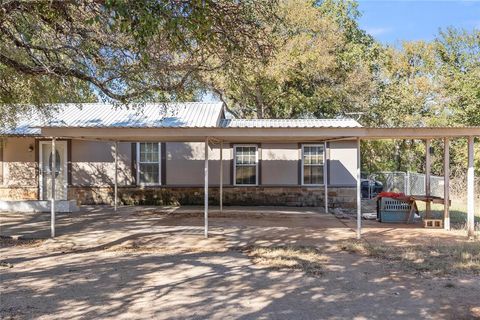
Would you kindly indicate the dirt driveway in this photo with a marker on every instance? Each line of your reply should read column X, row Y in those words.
column 146, row 263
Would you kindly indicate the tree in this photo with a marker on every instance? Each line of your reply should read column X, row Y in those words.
column 320, row 66
column 121, row 50
column 459, row 55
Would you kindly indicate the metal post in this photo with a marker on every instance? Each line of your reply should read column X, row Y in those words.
column 427, row 177
column 115, row 191
column 221, row 177
column 446, row 184
column 325, row 176
column 407, row 184
column 53, row 163
column 359, row 193
column 206, row 188
column 470, row 190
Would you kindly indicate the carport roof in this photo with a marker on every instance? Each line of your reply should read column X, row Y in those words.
column 245, row 135
column 195, row 121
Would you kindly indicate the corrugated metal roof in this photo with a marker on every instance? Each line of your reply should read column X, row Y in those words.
column 150, row 115
column 289, row 123
column 20, row 130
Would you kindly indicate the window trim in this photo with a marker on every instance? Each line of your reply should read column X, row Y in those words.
column 235, row 165
column 159, row 165
column 323, row 145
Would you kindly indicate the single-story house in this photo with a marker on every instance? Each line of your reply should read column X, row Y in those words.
column 191, row 153
column 290, row 173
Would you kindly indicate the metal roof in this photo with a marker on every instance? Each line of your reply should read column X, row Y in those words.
column 289, row 123
column 150, row 115
column 97, row 115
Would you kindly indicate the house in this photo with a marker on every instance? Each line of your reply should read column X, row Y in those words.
column 289, row 173
column 192, row 153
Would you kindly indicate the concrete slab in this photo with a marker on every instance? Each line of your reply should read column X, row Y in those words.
column 27, row 206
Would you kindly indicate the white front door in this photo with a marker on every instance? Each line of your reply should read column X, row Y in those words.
column 45, row 164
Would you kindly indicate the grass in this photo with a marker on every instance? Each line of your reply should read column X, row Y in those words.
column 435, row 259
column 307, row 259
column 458, row 213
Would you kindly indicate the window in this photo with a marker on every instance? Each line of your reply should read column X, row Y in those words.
column 313, row 164
column 246, row 165
column 148, row 163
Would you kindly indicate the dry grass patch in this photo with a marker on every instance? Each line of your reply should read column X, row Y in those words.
column 159, row 246
column 11, row 242
column 307, row 259
column 437, row 259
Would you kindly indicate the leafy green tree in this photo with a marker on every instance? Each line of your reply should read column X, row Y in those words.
column 459, row 61
column 121, row 50
column 320, row 67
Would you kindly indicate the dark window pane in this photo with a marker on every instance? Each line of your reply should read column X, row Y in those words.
column 246, row 175
column 313, row 155
column 313, row 175
column 148, row 152
column 245, row 155
column 149, row 173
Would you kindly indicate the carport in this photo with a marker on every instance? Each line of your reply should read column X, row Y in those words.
column 259, row 134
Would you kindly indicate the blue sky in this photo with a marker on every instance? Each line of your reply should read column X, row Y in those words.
column 393, row 21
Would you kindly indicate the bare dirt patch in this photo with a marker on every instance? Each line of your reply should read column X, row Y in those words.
column 435, row 259
column 307, row 259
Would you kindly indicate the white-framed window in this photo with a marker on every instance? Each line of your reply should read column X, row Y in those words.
column 148, row 163
column 245, row 165
column 313, row 164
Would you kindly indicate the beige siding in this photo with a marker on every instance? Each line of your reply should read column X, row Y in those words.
column 19, row 163
column 185, row 163
column 280, row 163
column 343, row 163
column 93, row 163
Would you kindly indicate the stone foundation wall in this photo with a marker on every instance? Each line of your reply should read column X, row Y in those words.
column 296, row 196
column 18, row 193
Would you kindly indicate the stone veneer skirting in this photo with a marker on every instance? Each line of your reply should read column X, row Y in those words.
column 269, row 196
column 18, row 193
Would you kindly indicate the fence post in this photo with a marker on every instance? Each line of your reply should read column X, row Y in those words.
column 407, row 183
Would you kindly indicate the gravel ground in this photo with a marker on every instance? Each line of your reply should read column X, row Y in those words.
column 134, row 274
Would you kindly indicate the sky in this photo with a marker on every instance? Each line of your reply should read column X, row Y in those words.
column 393, row 21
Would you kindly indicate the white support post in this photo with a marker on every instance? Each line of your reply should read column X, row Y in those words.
column 325, row 175
column 359, row 193
column 427, row 177
column 115, row 189
column 470, row 190
column 221, row 177
column 206, row 188
column 446, row 185
column 53, row 163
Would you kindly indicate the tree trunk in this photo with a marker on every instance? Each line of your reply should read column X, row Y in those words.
column 259, row 102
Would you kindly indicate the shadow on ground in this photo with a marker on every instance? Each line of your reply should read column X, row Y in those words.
column 147, row 263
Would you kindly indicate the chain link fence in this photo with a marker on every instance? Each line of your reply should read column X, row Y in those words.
column 409, row 183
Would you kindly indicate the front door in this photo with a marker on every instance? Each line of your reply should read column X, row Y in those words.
column 45, row 157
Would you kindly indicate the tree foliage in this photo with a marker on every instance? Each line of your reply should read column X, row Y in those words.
column 321, row 65
column 264, row 59
column 122, row 50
